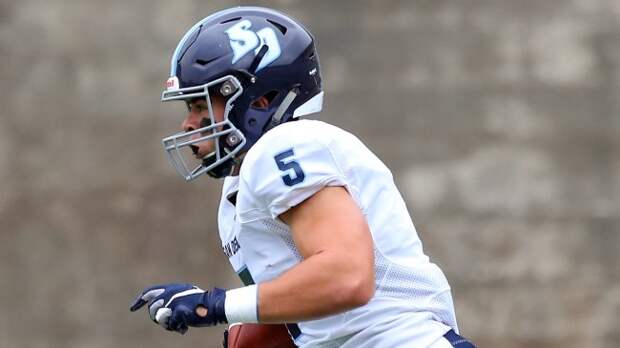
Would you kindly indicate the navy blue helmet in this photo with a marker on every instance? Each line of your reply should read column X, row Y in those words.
column 243, row 54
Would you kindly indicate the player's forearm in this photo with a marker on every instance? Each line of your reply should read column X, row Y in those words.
column 323, row 284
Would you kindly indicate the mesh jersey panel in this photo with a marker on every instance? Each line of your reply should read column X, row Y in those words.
column 391, row 280
column 285, row 235
column 396, row 281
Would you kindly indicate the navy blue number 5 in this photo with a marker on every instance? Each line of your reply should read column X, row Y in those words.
column 286, row 166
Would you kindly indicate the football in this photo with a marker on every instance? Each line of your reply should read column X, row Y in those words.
column 259, row 336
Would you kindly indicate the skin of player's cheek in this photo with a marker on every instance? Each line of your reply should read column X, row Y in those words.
column 194, row 119
column 218, row 114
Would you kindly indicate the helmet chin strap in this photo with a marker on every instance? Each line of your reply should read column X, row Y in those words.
column 220, row 171
column 229, row 167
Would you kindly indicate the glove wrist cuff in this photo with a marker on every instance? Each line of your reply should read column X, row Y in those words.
column 241, row 305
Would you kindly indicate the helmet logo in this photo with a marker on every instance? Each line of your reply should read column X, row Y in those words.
column 243, row 41
column 172, row 84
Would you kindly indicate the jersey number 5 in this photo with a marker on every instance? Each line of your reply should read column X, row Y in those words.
column 286, row 162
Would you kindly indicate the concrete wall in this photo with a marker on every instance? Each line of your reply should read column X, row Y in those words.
column 500, row 119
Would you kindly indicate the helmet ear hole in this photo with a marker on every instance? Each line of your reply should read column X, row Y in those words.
column 262, row 102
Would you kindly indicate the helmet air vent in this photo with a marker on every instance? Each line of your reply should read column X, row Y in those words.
column 230, row 20
column 278, row 25
column 204, row 62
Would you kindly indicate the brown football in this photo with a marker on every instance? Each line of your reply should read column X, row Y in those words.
column 259, row 336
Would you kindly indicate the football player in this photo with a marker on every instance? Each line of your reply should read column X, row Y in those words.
column 309, row 217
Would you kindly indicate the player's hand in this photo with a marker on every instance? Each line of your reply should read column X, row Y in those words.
column 176, row 306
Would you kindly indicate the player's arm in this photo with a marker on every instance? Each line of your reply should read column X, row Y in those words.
column 337, row 273
column 329, row 230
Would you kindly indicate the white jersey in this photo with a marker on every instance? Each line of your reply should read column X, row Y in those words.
column 412, row 305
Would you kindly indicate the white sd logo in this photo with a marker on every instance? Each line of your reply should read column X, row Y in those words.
column 243, row 41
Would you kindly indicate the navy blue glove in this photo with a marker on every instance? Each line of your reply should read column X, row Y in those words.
column 173, row 306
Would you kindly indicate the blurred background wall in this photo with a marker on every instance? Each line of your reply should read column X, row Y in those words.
column 500, row 119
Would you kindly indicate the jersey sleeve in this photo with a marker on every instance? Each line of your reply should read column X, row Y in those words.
column 282, row 176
